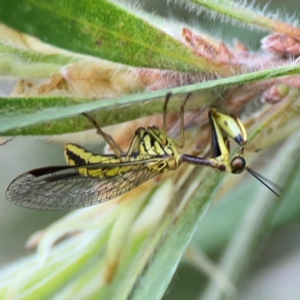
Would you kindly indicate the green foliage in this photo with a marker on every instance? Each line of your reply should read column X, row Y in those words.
column 132, row 249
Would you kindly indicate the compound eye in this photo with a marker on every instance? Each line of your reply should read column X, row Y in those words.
column 238, row 165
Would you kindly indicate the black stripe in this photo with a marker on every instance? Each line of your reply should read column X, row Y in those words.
column 77, row 159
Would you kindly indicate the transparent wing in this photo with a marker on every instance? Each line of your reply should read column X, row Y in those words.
column 62, row 188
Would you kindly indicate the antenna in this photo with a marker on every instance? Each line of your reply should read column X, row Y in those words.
column 266, row 182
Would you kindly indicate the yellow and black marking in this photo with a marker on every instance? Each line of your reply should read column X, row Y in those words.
column 92, row 178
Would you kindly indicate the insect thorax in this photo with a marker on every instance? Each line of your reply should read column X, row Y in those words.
column 152, row 143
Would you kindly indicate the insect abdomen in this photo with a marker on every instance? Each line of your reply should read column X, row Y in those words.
column 79, row 156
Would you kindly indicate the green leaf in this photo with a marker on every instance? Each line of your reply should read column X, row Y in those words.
column 26, row 57
column 163, row 264
column 132, row 106
column 245, row 15
column 103, row 29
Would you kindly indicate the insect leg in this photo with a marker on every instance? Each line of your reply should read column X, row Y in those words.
column 218, row 142
column 231, row 125
column 164, row 123
column 135, row 143
column 7, row 141
column 182, row 139
column 108, row 138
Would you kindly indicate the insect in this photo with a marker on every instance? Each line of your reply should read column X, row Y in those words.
column 91, row 178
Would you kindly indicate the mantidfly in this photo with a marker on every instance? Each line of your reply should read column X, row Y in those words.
column 91, row 178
